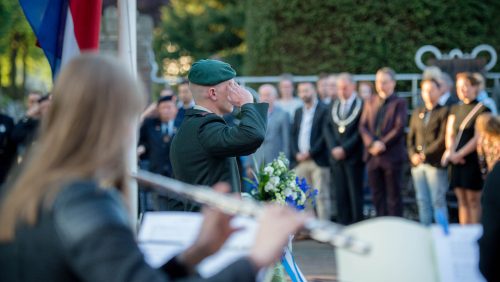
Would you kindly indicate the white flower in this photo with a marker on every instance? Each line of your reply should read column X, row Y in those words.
column 269, row 187
column 281, row 164
column 288, row 192
column 275, row 180
column 269, row 170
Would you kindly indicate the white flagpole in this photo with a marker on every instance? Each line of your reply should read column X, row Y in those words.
column 127, row 50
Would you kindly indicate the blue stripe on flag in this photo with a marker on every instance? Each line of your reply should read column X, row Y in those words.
column 48, row 19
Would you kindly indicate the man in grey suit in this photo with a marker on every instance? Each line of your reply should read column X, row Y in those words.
column 277, row 138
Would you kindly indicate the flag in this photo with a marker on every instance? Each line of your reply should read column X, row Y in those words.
column 64, row 28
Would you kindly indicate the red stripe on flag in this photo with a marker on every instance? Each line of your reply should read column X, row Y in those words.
column 87, row 21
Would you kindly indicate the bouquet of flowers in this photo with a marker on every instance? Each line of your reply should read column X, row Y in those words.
column 274, row 182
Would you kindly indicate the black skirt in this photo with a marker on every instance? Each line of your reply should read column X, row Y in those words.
column 468, row 175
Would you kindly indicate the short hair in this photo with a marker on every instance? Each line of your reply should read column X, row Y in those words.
column 445, row 77
column 469, row 77
column 183, row 81
column 286, row 76
column 432, row 72
column 479, row 77
column 274, row 91
column 307, row 83
column 388, row 71
column 345, row 76
column 431, row 80
column 323, row 75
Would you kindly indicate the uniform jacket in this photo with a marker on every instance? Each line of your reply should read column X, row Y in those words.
column 7, row 146
column 157, row 145
column 204, row 149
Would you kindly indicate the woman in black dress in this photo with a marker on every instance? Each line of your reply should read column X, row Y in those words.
column 461, row 140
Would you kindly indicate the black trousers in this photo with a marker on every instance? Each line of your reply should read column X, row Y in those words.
column 347, row 184
column 385, row 179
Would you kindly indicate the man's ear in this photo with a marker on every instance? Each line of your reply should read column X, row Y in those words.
column 212, row 94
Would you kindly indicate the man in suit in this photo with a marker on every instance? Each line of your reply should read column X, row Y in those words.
column 308, row 153
column 155, row 139
column 426, row 145
column 278, row 128
column 25, row 130
column 205, row 148
column 186, row 101
column 445, row 85
column 382, row 127
column 7, row 147
column 346, row 151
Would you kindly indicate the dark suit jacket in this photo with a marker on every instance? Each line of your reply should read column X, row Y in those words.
column 489, row 245
column 157, row 146
column 428, row 138
column 7, row 146
column 318, row 149
column 204, row 149
column 349, row 140
column 392, row 128
column 452, row 100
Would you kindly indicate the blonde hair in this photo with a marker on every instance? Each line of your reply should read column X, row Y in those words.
column 488, row 125
column 83, row 136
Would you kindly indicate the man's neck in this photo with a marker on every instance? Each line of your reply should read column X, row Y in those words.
column 384, row 96
column 188, row 105
column 165, row 120
column 210, row 107
column 309, row 105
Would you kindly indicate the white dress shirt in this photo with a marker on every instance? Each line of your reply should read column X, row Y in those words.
column 345, row 106
column 305, row 128
column 443, row 99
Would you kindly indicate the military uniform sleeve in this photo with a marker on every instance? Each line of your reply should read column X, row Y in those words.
column 221, row 140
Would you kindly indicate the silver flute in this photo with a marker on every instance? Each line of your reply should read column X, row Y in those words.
column 320, row 230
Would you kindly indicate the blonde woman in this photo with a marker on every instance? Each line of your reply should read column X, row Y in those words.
column 460, row 154
column 64, row 218
column 488, row 145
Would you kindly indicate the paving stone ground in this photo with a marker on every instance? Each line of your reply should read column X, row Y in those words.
column 315, row 260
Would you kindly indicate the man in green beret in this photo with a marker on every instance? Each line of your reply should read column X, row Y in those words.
column 205, row 148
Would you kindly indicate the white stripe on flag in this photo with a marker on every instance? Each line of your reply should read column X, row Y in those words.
column 70, row 45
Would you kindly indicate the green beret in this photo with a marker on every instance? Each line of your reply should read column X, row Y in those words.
column 210, row 72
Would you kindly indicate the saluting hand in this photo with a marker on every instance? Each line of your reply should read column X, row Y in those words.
column 237, row 95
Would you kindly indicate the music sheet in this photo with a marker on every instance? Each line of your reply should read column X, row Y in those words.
column 165, row 234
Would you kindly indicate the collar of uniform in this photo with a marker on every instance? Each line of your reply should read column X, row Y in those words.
column 201, row 108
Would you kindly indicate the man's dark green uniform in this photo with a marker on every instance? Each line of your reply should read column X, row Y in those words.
column 205, row 147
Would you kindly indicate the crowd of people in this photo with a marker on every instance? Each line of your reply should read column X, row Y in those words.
column 340, row 134
column 337, row 133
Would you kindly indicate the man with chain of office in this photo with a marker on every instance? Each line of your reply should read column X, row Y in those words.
column 346, row 151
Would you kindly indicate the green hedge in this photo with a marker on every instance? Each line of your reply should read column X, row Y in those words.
column 313, row 36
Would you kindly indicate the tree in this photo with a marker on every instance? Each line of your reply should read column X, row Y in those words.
column 197, row 29
column 309, row 37
column 17, row 43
